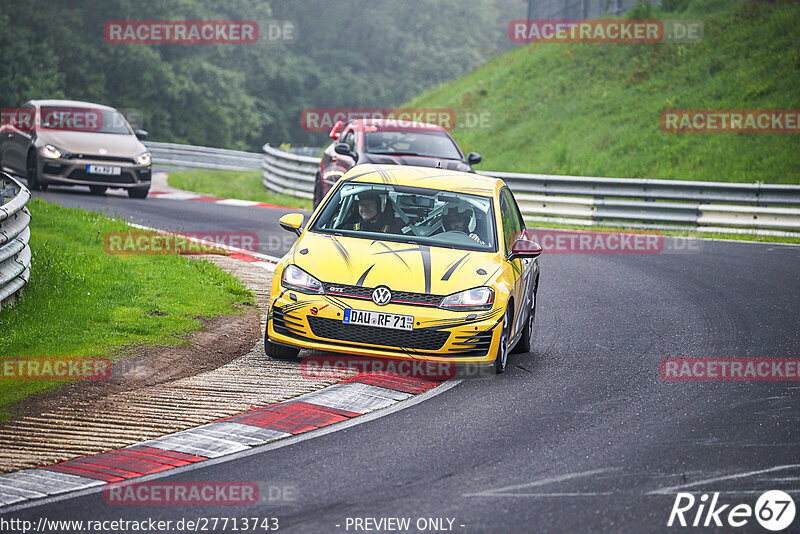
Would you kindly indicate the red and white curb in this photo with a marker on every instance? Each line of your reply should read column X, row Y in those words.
column 362, row 394
column 186, row 195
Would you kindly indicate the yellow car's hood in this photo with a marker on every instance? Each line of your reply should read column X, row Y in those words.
column 400, row 266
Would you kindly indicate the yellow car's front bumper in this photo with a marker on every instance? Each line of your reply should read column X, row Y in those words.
column 316, row 322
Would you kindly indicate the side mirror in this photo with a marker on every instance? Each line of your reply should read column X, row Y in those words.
column 141, row 134
column 473, row 158
column 525, row 248
column 292, row 222
column 335, row 133
column 343, row 149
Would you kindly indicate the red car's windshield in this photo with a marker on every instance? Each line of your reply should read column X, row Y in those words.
column 412, row 143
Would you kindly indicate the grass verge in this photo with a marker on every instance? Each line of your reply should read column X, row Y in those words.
column 244, row 185
column 594, row 109
column 82, row 301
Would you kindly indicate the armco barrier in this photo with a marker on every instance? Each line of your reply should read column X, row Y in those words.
column 15, row 254
column 289, row 173
column 621, row 202
column 177, row 155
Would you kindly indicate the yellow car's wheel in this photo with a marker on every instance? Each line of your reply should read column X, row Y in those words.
column 278, row 352
column 501, row 360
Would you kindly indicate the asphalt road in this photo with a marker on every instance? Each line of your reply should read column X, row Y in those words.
column 580, row 435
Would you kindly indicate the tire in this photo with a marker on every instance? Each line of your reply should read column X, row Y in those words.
column 32, row 173
column 501, row 360
column 524, row 344
column 97, row 189
column 138, row 192
column 278, row 352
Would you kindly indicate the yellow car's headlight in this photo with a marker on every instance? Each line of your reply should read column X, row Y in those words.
column 143, row 159
column 478, row 298
column 295, row 278
column 49, row 151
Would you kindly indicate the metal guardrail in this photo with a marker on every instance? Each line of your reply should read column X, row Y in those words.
column 15, row 254
column 287, row 173
column 617, row 202
column 173, row 154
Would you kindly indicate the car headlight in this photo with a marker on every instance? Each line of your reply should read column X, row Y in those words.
column 143, row 159
column 478, row 298
column 49, row 151
column 294, row 277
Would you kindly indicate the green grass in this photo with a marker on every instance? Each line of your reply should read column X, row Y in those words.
column 82, row 301
column 593, row 109
column 244, row 185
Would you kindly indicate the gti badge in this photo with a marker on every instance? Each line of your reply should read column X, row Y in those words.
column 381, row 295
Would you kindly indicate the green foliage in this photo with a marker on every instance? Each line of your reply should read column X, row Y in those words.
column 593, row 109
column 360, row 53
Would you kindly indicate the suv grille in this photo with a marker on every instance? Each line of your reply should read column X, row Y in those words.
column 387, row 337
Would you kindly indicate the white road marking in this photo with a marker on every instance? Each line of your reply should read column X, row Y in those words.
column 672, row 489
column 500, row 492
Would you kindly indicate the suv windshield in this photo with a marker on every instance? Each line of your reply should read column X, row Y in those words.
column 414, row 143
column 409, row 215
column 79, row 119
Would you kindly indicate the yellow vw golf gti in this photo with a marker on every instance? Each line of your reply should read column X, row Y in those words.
column 411, row 263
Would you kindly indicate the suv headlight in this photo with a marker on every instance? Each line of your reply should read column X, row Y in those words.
column 49, row 151
column 294, row 277
column 478, row 298
column 143, row 158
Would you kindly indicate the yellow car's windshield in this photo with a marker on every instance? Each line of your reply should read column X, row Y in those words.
column 410, row 214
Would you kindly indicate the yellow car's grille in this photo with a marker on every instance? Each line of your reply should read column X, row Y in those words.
column 398, row 297
column 412, row 339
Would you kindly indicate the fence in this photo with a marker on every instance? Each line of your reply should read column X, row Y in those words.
column 15, row 254
column 617, row 202
column 177, row 155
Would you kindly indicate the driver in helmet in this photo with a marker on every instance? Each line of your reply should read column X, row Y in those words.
column 370, row 216
column 456, row 217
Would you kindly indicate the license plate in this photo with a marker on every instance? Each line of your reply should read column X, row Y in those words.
column 379, row 319
column 104, row 169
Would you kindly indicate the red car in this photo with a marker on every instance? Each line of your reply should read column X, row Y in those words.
column 388, row 141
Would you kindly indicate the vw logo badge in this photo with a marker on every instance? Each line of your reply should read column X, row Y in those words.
column 381, row 295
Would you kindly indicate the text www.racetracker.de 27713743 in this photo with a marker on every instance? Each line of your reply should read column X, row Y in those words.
column 194, row 524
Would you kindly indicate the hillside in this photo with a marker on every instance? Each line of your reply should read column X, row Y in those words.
column 593, row 109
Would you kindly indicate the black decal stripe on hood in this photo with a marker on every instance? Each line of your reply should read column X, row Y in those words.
column 364, row 276
column 425, row 251
column 343, row 251
column 453, row 268
column 389, row 250
column 336, row 302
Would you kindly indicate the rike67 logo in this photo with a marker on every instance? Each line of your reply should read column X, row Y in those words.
column 774, row 510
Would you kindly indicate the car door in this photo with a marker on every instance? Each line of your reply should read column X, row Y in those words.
column 512, row 230
column 17, row 138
